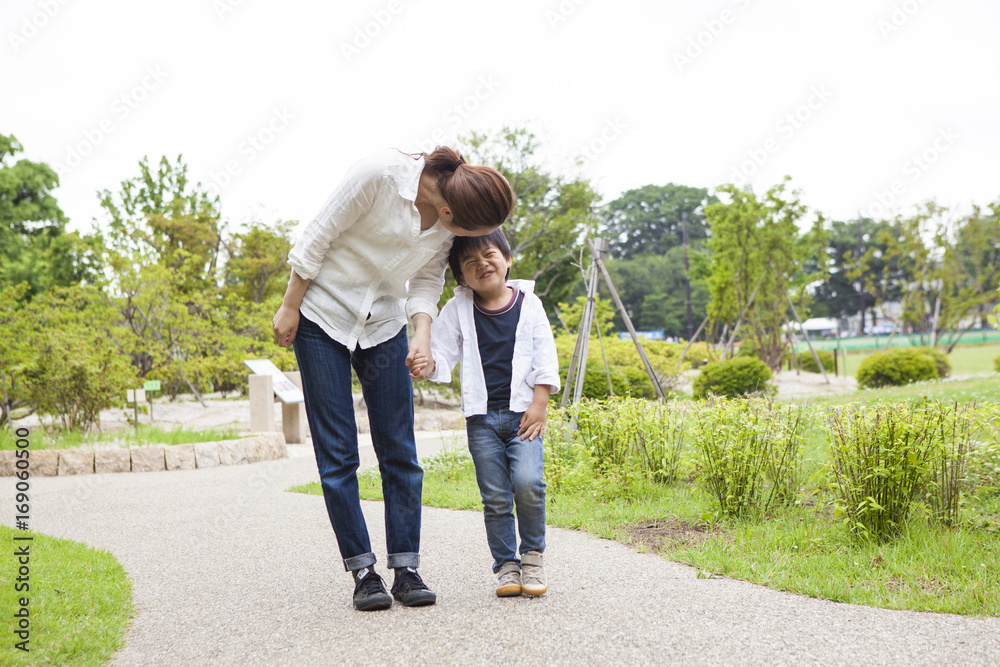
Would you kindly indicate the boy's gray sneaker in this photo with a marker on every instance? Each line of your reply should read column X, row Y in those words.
column 532, row 574
column 509, row 580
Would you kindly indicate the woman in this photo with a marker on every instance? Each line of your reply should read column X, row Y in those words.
column 373, row 257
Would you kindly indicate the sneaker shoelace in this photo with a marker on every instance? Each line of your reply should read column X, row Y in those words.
column 412, row 581
column 371, row 584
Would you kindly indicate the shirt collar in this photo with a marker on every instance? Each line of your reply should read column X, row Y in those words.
column 409, row 180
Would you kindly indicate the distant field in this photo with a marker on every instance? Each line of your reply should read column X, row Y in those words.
column 964, row 358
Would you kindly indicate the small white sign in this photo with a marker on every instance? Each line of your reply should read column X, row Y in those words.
column 135, row 395
column 284, row 389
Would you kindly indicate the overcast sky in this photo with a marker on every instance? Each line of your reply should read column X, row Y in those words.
column 865, row 103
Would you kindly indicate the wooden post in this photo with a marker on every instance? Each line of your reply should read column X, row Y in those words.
column 293, row 415
column 261, row 404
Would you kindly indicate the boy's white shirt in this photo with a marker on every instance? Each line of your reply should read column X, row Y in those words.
column 454, row 339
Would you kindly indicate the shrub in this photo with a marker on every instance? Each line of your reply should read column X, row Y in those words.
column 697, row 355
column 880, row 460
column 749, row 454
column 76, row 376
column 896, row 367
column 996, row 364
column 940, row 360
column 734, row 377
column 808, row 364
column 949, row 430
column 632, row 437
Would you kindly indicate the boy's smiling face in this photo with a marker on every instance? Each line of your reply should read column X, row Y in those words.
column 485, row 269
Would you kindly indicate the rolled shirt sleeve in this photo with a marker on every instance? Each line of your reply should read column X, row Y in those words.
column 446, row 342
column 349, row 201
column 424, row 288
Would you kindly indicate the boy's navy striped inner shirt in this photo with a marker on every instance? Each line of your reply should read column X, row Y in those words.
column 495, row 330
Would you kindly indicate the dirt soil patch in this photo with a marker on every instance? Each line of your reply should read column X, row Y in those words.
column 661, row 536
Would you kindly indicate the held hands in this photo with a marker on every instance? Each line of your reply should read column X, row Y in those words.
column 285, row 324
column 421, row 366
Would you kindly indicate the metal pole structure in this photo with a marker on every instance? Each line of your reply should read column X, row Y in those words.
column 575, row 359
column 806, row 336
column 692, row 338
column 584, row 333
column 687, row 268
column 601, row 248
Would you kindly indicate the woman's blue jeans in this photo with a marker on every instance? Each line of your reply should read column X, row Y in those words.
column 325, row 365
column 509, row 472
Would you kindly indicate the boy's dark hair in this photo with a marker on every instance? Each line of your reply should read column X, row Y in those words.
column 465, row 245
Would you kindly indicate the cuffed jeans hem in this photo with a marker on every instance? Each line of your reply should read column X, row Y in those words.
column 404, row 560
column 357, row 562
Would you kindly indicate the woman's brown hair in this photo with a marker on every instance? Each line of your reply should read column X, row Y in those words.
column 479, row 196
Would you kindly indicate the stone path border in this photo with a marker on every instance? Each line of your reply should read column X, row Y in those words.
column 152, row 458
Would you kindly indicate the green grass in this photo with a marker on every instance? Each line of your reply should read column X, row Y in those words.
column 983, row 388
column 801, row 548
column 148, row 435
column 964, row 359
column 80, row 602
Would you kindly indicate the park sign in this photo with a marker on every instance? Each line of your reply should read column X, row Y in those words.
column 284, row 389
column 152, row 385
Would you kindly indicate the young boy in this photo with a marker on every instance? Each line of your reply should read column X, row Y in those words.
column 499, row 332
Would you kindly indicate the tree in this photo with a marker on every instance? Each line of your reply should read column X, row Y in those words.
column 34, row 247
column 552, row 215
column 77, row 368
column 157, row 218
column 841, row 294
column 648, row 220
column 755, row 255
column 15, row 348
column 257, row 263
column 652, row 289
column 970, row 270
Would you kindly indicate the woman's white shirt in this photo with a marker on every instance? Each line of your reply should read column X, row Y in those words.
column 370, row 264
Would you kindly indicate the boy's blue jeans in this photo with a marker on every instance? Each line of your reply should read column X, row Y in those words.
column 325, row 365
column 509, row 472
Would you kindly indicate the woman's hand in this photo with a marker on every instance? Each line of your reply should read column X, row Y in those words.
column 285, row 324
column 421, row 367
column 420, row 344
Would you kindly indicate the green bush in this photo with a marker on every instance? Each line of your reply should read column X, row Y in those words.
column 808, row 364
column 940, row 360
column 996, row 364
column 896, row 367
column 749, row 454
column 734, row 377
column 880, row 461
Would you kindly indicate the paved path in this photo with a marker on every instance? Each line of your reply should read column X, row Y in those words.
column 229, row 569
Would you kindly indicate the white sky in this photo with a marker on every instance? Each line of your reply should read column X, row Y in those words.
column 887, row 79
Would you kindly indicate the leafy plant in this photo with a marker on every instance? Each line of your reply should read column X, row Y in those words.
column 949, row 429
column 880, row 460
column 749, row 454
column 733, row 377
column 895, row 367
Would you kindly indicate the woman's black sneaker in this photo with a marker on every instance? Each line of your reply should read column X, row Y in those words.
column 410, row 589
column 369, row 591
